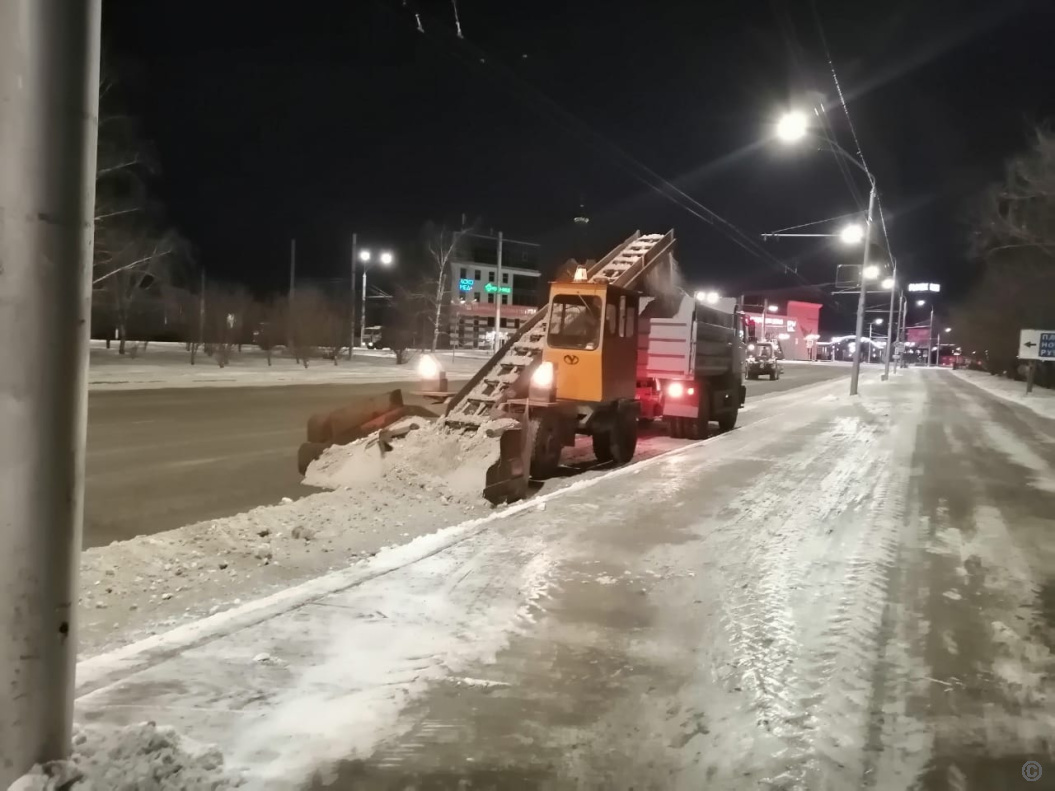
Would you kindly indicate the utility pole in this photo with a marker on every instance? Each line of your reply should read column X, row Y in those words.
column 362, row 318
column 201, row 318
column 49, row 92
column 292, row 287
column 498, row 297
column 930, row 333
column 355, row 254
column 890, row 324
column 765, row 312
column 855, row 372
column 902, row 329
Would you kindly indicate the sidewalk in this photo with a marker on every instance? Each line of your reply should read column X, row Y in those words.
column 843, row 592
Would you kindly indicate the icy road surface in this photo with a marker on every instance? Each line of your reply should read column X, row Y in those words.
column 843, row 594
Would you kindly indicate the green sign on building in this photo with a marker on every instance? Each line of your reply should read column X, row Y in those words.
column 491, row 288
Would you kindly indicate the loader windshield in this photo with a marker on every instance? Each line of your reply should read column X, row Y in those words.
column 575, row 322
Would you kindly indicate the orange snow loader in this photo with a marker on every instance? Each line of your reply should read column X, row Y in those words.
column 354, row 421
column 571, row 369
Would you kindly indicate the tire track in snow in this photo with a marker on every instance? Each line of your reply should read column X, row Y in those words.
column 806, row 631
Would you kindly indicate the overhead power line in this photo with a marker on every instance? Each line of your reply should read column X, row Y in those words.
column 635, row 168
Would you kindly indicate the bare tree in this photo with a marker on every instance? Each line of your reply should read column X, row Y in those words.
column 131, row 256
column 1014, row 240
column 133, row 263
column 442, row 245
column 226, row 313
column 271, row 328
column 401, row 331
column 308, row 323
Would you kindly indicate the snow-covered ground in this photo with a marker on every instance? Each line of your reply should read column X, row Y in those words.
column 141, row 587
column 1041, row 400
column 138, row 757
column 164, row 365
column 845, row 593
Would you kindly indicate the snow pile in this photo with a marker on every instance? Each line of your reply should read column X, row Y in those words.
column 1041, row 400
column 450, row 465
column 431, row 479
column 139, row 757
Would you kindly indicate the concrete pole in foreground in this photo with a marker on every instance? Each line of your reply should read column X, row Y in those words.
column 49, row 103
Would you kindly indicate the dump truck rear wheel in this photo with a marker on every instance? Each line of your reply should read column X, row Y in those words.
column 673, row 427
column 545, row 448
column 702, row 424
column 727, row 422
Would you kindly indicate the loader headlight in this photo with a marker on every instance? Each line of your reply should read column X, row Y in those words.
column 433, row 377
column 542, row 378
column 675, row 389
column 429, row 367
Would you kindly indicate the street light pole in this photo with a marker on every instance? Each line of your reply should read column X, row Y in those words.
column 362, row 318
column 855, row 372
column 351, row 324
column 890, row 325
column 930, row 333
column 49, row 92
column 498, row 297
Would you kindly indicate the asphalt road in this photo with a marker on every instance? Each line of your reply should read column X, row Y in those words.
column 161, row 459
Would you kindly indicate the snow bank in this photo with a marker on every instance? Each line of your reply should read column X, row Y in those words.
column 139, row 757
column 168, row 365
column 1041, row 400
column 431, row 479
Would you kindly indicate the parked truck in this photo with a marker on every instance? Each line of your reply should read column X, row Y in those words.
column 690, row 363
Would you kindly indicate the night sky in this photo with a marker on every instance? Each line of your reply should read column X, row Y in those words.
column 318, row 119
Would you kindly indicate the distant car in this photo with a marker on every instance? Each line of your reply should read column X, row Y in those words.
column 762, row 359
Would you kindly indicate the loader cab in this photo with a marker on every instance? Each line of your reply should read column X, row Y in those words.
column 592, row 341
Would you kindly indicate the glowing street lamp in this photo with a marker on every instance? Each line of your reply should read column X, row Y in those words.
column 792, row 126
column 852, row 234
column 773, row 308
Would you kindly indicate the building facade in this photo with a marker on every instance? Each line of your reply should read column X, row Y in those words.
column 485, row 290
column 791, row 324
